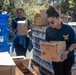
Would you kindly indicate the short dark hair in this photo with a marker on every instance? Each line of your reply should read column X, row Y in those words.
column 51, row 12
column 20, row 9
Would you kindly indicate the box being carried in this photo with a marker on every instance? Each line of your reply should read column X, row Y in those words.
column 22, row 28
column 52, row 50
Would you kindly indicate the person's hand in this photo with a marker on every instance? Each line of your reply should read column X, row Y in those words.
column 64, row 55
column 14, row 30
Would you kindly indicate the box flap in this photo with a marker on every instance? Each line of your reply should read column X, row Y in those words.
column 5, row 59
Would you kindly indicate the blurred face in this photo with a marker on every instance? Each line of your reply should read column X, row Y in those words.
column 20, row 13
column 53, row 21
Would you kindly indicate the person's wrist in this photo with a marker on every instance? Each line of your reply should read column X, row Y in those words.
column 69, row 50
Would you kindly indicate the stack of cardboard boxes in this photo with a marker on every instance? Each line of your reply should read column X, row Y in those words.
column 40, row 18
column 16, row 66
column 38, row 35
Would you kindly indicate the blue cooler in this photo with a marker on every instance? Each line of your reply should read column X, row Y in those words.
column 4, row 33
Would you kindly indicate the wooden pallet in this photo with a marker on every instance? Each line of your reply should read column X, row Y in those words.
column 41, row 67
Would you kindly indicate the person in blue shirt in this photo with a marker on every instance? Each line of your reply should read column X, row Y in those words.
column 60, row 31
column 21, row 43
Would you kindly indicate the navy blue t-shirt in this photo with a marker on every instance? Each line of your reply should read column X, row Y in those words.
column 14, row 22
column 66, row 33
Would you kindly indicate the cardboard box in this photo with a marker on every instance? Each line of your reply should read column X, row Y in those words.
column 20, row 60
column 64, row 18
column 40, row 18
column 52, row 50
column 18, row 57
column 7, row 70
column 37, row 19
column 18, row 71
column 22, row 28
column 59, row 11
column 7, row 65
column 36, row 69
column 24, row 66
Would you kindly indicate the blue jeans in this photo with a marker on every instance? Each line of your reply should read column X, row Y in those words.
column 20, row 50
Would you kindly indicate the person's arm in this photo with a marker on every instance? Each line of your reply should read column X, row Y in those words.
column 72, row 39
column 72, row 47
column 28, row 24
column 14, row 26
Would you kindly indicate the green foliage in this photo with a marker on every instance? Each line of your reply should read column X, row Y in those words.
column 71, row 3
column 31, row 7
column 57, row 5
column 64, row 7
